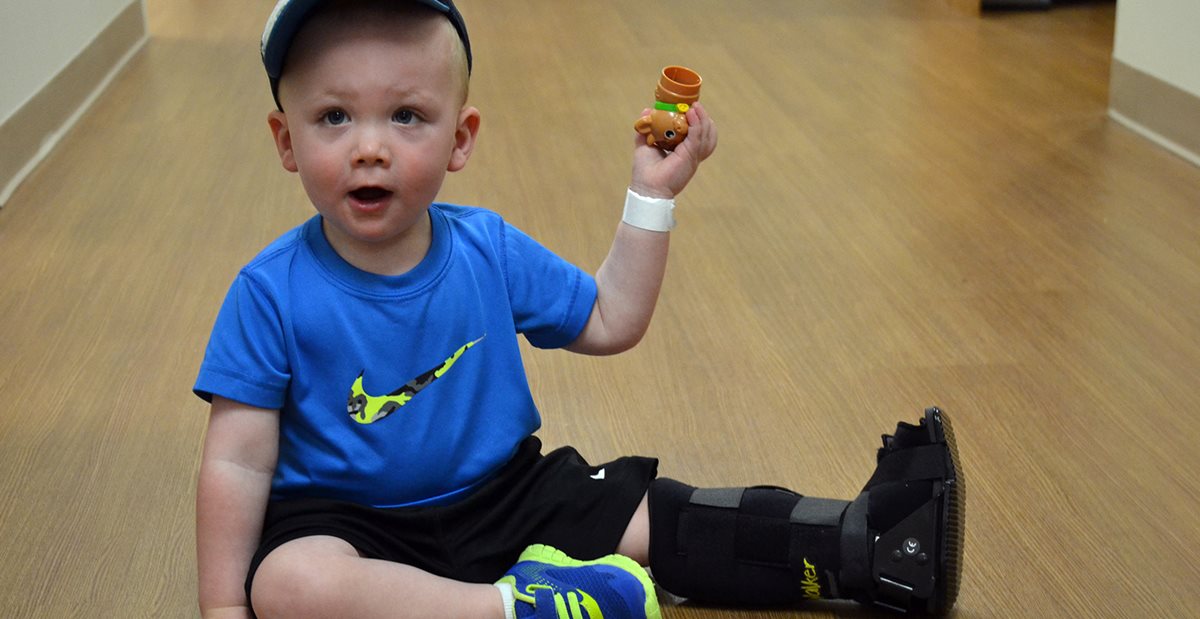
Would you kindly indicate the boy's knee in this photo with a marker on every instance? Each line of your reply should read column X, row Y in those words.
column 294, row 580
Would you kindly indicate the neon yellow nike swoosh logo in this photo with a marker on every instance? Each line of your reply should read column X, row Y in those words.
column 365, row 408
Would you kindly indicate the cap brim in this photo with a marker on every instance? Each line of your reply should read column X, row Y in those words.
column 282, row 26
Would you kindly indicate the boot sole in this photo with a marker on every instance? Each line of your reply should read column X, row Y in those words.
column 953, row 518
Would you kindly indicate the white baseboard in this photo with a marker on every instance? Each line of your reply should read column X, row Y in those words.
column 1156, row 110
column 1154, row 136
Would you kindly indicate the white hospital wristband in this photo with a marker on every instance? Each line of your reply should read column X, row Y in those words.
column 655, row 214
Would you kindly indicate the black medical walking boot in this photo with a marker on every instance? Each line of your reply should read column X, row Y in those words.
column 906, row 554
column 897, row 545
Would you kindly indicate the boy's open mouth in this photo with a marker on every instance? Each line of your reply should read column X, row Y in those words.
column 370, row 195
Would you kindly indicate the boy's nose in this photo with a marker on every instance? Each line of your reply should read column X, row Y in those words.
column 371, row 151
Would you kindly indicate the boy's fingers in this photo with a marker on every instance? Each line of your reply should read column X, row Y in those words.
column 702, row 138
column 706, row 131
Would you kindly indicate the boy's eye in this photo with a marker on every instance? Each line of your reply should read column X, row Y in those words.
column 403, row 117
column 335, row 117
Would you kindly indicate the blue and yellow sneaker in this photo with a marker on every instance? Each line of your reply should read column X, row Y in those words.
column 547, row 584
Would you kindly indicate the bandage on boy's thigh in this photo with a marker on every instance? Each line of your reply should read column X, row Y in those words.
column 744, row 546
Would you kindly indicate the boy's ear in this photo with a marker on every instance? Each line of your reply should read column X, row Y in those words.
column 464, row 138
column 277, row 120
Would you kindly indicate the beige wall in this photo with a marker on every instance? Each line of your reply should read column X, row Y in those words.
column 1155, row 87
column 38, row 39
column 55, row 57
column 1161, row 38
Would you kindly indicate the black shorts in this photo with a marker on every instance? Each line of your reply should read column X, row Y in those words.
column 557, row 499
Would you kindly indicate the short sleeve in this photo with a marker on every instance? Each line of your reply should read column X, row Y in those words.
column 551, row 298
column 246, row 358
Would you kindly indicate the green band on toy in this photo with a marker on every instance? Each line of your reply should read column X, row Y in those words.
column 671, row 107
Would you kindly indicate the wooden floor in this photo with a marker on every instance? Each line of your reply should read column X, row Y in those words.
column 912, row 204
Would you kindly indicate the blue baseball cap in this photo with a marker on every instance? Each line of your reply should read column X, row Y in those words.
column 289, row 16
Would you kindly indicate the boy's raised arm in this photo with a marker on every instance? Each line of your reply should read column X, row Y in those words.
column 240, row 453
column 629, row 280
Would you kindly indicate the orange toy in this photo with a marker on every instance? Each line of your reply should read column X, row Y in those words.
column 666, row 125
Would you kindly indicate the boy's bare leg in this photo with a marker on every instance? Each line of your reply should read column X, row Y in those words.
column 324, row 576
column 635, row 543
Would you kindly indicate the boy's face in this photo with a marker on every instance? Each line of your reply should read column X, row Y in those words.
column 374, row 118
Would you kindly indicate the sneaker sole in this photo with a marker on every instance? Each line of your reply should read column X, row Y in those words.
column 545, row 554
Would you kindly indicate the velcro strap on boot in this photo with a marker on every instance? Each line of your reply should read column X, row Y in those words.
column 760, row 546
column 855, row 574
column 822, row 512
column 913, row 464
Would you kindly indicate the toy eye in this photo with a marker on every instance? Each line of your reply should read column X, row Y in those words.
column 670, row 135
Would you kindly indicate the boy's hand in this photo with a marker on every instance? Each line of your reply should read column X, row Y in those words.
column 664, row 175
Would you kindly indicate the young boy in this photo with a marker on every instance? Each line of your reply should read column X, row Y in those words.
column 370, row 450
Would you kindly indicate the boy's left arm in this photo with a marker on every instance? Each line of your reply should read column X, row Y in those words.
column 628, row 282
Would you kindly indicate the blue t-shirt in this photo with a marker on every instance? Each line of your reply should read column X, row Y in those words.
column 396, row 390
